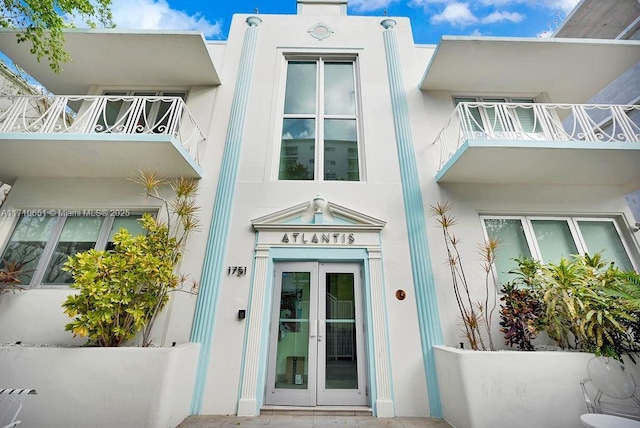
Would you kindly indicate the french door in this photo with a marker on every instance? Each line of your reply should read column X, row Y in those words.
column 316, row 354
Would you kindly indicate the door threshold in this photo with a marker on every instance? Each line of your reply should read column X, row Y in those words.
column 317, row 410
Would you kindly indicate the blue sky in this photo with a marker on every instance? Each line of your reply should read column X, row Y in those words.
column 430, row 19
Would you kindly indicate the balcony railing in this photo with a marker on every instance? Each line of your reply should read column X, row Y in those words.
column 124, row 115
column 538, row 122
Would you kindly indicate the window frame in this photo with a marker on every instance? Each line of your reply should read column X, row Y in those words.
column 574, row 228
column 320, row 116
column 60, row 220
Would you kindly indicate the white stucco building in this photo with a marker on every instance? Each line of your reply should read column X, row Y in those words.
column 320, row 141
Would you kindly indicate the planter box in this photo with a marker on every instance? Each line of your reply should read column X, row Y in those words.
column 102, row 387
column 513, row 389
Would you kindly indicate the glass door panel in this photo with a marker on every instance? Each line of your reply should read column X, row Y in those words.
column 316, row 340
column 293, row 331
column 341, row 370
column 340, row 366
column 291, row 379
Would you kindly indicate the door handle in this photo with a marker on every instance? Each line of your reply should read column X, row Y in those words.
column 313, row 328
column 321, row 330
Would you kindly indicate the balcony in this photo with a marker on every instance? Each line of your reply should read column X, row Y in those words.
column 518, row 143
column 97, row 136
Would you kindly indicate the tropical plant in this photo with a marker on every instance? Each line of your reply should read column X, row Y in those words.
column 476, row 315
column 122, row 291
column 10, row 276
column 582, row 310
column 520, row 315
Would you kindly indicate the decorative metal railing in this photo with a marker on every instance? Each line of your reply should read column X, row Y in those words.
column 103, row 115
column 538, row 122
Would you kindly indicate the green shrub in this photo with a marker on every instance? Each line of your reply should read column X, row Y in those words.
column 582, row 309
column 121, row 291
column 520, row 316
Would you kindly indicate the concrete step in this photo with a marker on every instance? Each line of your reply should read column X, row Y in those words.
column 317, row 411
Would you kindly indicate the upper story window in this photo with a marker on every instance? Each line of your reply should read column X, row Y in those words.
column 153, row 113
column 549, row 239
column 499, row 115
column 43, row 242
column 320, row 124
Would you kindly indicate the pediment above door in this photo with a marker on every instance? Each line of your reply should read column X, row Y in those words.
column 318, row 214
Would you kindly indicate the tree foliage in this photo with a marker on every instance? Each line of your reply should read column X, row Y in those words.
column 40, row 23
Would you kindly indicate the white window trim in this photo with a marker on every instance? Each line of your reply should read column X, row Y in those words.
column 573, row 227
column 319, row 116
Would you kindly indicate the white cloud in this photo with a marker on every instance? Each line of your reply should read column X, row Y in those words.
column 456, row 14
column 565, row 5
column 476, row 32
column 502, row 16
column 157, row 15
column 368, row 5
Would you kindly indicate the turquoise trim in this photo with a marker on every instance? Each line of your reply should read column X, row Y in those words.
column 533, row 144
column 426, row 297
column 355, row 255
column 457, row 155
column 370, row 345
column 106, row 137
column 212, row 271
column 323, row 254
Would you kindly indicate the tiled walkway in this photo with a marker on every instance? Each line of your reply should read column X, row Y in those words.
column 295, row 421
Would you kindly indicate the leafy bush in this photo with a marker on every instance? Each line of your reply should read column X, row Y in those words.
column 585, row 306
column 121, row 291
column 520, row 316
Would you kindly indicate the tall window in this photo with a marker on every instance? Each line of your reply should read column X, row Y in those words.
column 550, row 239
column 43, row 243
column 320, row 122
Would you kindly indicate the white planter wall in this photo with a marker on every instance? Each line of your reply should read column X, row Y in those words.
column 102, row 387
column 513, row 389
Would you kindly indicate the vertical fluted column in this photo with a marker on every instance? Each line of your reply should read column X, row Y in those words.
column 427, row 304
column 384, row 398
column 247, row 406
column 218, row 233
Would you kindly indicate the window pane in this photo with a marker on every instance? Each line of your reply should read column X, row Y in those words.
column 166, row 114
column 495, row 121
column 602, row 237
column 470, row 115
column 339, row 88
column 297, row 152
column 512, row 244
column 300, row 95
column 27, row 244
column 78, row 234
column 340, row 150
column 131, row 223
column 554, row 239
column 526, row 116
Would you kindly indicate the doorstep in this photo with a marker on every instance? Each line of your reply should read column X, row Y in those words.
column 317, row 411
